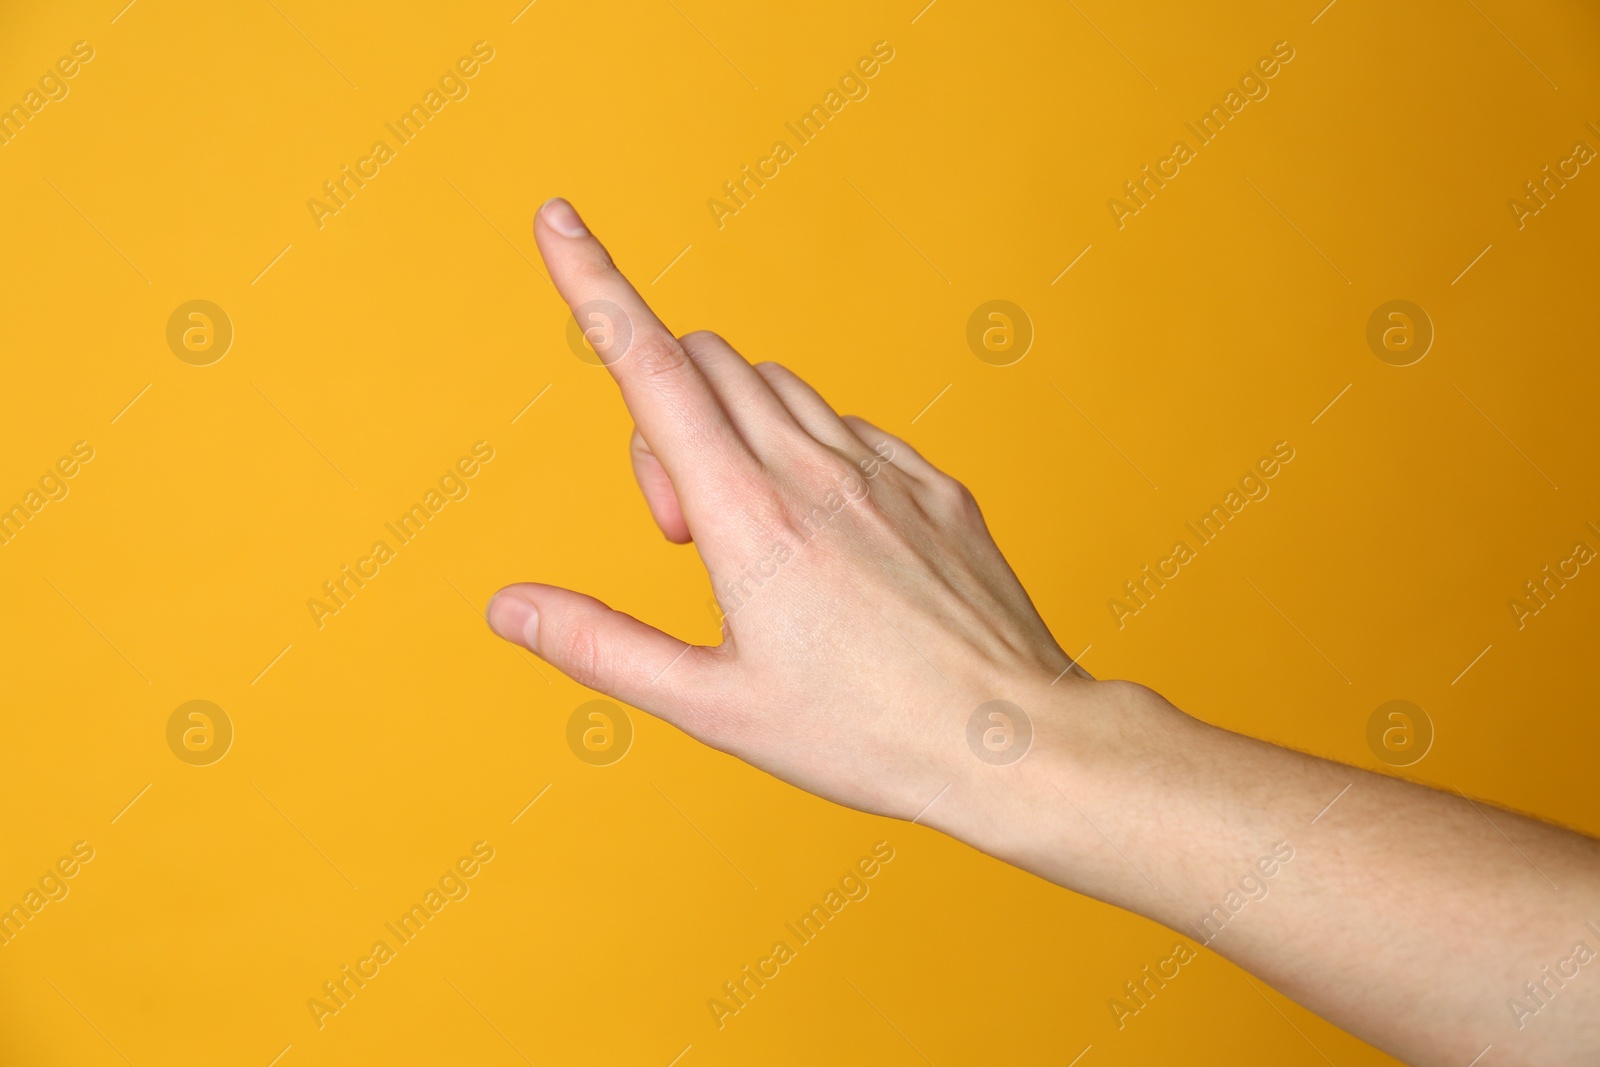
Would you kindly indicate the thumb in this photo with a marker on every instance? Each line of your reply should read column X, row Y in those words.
column 605, row 650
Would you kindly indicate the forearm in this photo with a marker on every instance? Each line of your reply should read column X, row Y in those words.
column 1408, row 916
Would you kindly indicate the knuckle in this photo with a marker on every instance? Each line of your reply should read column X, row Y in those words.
column 581, row 657
column 748, row 490
column 598, row 266
column 880, row 462
column 699, row 340
column 827, row 472
column 955, row 497
column 777, row 375
column 967, row 507
column 800, row 519
column 822, row 487
column 762, row 500
column 658, row 356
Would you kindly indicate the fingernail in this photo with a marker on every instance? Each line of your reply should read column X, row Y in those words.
column 514, row 619
column 562, row 218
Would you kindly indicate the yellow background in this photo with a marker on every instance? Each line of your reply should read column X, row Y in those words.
column 376, row 750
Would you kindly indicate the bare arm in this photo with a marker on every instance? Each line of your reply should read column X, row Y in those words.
column 1429, row 925
column 878, row 651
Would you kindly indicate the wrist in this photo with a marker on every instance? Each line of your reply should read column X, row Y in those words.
column 1070, row 808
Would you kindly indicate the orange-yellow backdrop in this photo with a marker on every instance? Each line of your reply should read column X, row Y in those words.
column 374, row 346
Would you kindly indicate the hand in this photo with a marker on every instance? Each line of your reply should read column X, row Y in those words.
column 867, row 611
column 869, row 616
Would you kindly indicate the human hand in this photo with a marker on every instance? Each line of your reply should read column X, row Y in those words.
column 867, row 611
column 869, row 617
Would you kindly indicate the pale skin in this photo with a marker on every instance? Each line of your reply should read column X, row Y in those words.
column 869, row 614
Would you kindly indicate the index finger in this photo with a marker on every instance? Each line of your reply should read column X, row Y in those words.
column 671, row 401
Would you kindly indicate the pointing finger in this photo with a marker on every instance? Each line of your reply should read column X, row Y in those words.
column 671, row 402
